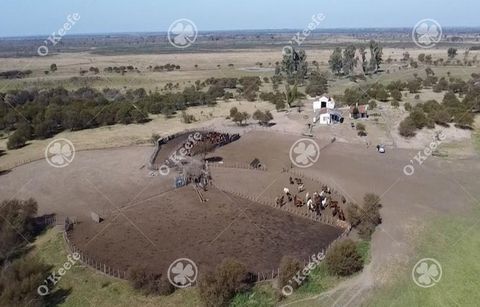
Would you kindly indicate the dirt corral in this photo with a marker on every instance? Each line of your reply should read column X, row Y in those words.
column 179, row 225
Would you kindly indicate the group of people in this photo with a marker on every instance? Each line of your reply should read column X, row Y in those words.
column 315, row 202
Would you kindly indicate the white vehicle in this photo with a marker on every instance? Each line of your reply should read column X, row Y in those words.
column 381, row 148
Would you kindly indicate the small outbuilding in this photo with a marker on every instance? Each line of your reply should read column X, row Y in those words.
column 359, row 111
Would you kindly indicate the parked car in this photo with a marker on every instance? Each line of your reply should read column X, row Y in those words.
column 381, row 148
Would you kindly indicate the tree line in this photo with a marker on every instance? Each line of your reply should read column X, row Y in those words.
column 39, row 114
column 343, row 62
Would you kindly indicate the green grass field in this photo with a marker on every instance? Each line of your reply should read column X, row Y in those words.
column 89, row 288
column 454, row 242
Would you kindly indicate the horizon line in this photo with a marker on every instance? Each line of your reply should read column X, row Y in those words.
column 233, row 30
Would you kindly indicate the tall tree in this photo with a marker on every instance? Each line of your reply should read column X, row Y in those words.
column 376, row 53
column 335, row 61
column 349, row 60
column 363, row 54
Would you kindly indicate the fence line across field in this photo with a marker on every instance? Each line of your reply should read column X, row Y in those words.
column 88, row 260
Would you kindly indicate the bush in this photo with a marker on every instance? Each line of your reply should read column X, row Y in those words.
column 396, row 94
column 233, row 111
column 367, row 217
column 407, row 128
column 382, row 94
column 19, row 282
column 343, row 259
column 149, row 283
column 188, row 118
column 407, row 106
column 289, row 267
column 395, row 104
column 362, row 131
column 16, row 226
column 218, row 289
column 263, row 117
column 414, row 86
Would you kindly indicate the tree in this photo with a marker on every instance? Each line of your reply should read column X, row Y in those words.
column 343, row 259
column 218, row 288
column 335, row 62
column 17, row 225
column 382, row 94
column 295, row 65
column 376, row 53
column 452, row 52
column 363, row 54
column 414, row 85
column 20, row 137
column 263, row 117
column 429, row 72
column 349, row 61
column 293, row 94
column 19, row 282
column 396, row 94
column 407, row 128
column 240, row 117
column 318, row 84
column 53, row 67
column 233, row 111
column 421, row 57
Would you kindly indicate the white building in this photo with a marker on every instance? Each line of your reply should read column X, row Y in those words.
column 323, row 102
column 324, row 111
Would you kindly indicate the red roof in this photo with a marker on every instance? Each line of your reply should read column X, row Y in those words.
column 361, row 108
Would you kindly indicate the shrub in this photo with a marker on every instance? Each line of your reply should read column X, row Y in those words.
column 288, row 269
column 396, row 94
column 149, row 283
column 19, row 282
column 407, row 106
column 367, row 217
column 414, row 85
column 354, row 216
column 233, row 111
column 395, row 103
column 16, row 226
column 407, row 128
column 188, row 118
column 263, row 117
column 343, row 259
column 217, row 289
column 362, row 131
column 382, row 94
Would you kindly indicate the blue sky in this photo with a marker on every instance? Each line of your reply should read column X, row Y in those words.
column 32, row 17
